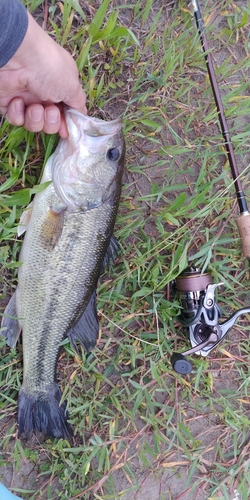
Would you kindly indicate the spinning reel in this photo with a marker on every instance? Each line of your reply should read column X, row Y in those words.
column 200, row 314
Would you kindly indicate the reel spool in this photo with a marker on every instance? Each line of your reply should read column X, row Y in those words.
column 200, row 314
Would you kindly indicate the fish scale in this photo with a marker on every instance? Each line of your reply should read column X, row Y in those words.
column 68, row 239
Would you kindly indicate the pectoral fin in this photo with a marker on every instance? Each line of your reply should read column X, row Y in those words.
column 51, row 229
column 87, row 328
column 10, row 327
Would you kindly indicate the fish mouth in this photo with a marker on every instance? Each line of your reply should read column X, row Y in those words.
column 93, row 127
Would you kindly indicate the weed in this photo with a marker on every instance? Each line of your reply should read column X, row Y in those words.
column 137, row 423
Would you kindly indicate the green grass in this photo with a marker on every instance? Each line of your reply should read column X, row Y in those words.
column 136, row 420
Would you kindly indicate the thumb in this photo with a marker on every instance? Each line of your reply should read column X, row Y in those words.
column 77, row 100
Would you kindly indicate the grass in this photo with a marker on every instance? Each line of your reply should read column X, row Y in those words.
column 137, row 423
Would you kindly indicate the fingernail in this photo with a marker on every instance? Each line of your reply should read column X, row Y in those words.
column 36, row 114
column 52, row 115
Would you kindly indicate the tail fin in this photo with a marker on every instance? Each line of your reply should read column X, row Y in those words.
column 40, row 412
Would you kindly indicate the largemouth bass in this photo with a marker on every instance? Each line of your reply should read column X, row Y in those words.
column 68, row 240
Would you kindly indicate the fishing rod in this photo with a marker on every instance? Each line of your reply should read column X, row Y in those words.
column 243, row 221
column 200, row 313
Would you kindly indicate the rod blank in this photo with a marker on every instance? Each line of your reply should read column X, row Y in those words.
column 243, row 222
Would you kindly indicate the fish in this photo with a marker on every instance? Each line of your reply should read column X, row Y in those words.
column 68, row 241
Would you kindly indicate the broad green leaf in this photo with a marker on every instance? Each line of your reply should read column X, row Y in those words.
column 98, row 18
column 81, row 60
column 10, row 181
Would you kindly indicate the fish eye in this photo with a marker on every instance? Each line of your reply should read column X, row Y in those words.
column 113, row 154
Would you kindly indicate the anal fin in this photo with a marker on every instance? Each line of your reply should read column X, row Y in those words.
column 87, row 328
column 111, row 253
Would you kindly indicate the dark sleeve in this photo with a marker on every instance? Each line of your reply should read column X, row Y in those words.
column 13, row 27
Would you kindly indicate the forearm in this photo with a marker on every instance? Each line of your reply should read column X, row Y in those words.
column 13, row 27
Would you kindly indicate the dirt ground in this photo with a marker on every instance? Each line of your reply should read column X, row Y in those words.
column 157, row 482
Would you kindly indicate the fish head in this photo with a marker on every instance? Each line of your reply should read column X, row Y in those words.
column 88, row 165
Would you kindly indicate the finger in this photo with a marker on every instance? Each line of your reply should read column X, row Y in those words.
column 16, row 112
column 34, row 118
column 63, row 131
column 77, row 100
column 52, row 119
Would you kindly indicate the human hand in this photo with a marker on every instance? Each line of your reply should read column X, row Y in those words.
column 37, row 80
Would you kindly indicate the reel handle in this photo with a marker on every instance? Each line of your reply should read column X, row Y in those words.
column 180, row 364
